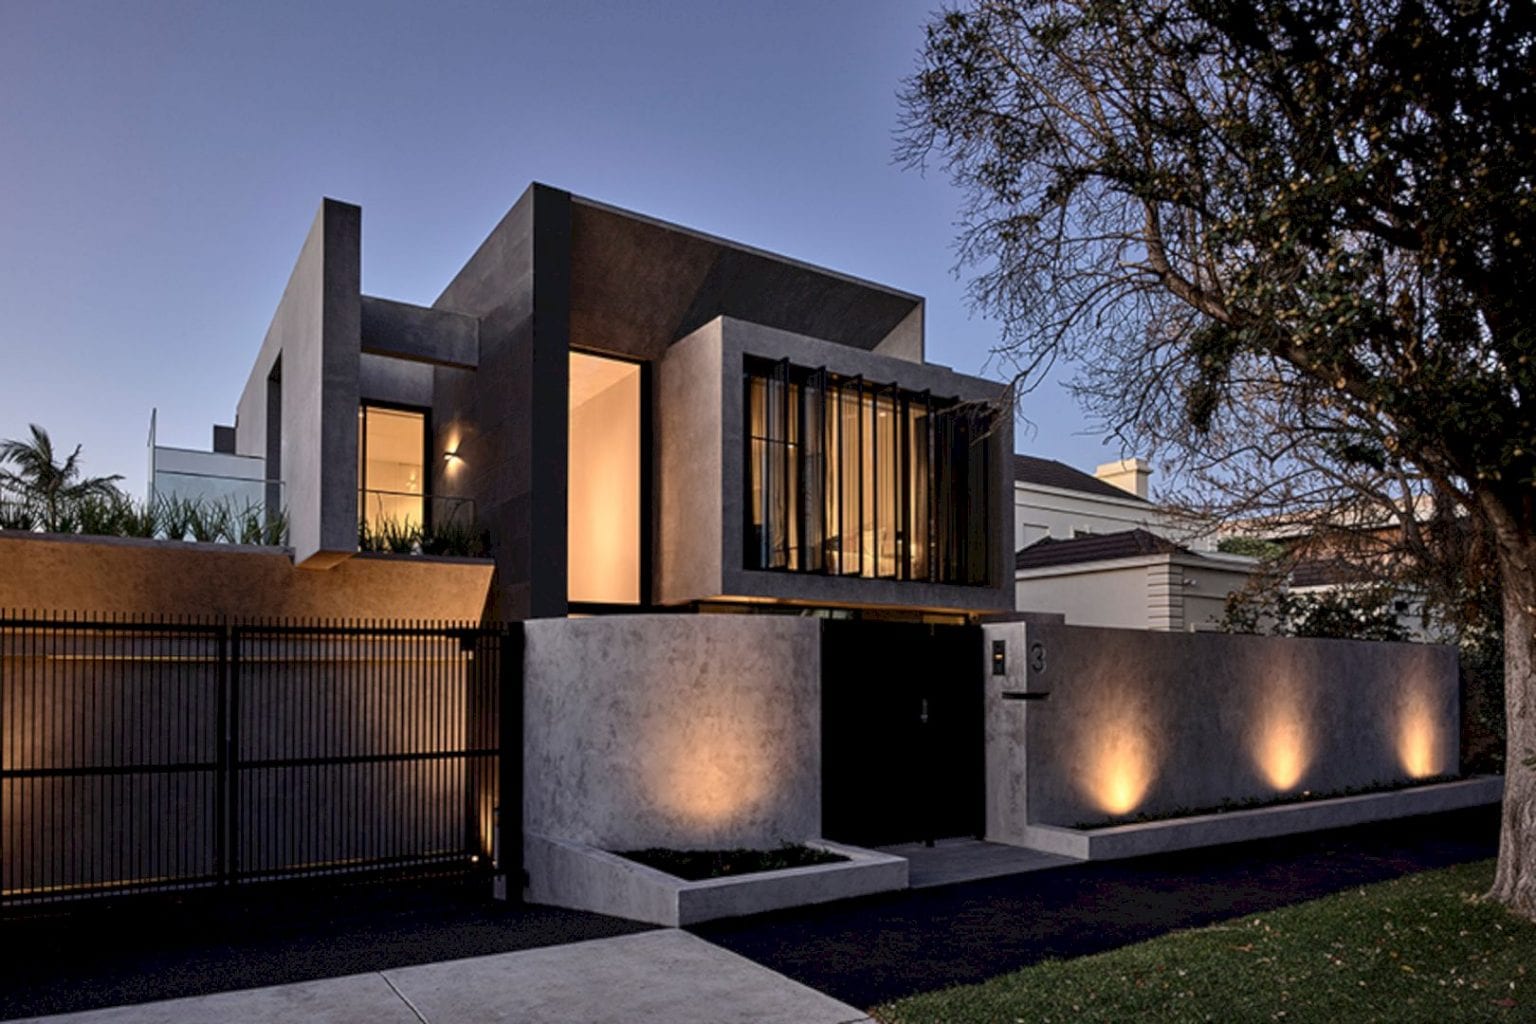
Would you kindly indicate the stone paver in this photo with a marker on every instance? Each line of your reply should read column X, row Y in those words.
column 664, row 976
column 949, row 861
column 358, row 999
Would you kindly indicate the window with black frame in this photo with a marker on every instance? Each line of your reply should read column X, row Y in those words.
column 848, row 477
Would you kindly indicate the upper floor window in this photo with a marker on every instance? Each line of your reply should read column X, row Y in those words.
column 853, row 478
column 391, row 468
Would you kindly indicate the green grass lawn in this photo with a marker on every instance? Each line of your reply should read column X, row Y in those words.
column 1421, row 948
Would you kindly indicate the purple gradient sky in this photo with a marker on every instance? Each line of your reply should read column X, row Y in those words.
column 160, row 163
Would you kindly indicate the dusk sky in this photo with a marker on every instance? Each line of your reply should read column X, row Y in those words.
column 160, row 164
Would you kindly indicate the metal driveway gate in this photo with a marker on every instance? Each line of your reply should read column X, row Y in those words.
column 155, row 754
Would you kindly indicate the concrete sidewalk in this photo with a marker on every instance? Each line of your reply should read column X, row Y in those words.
column 667, row 976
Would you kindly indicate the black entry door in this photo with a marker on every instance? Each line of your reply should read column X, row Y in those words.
column 901, row 732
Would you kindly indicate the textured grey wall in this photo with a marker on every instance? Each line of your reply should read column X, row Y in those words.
column 315, row 332
column 688, row 461
column 149, row 577
column 686, row 731
column 1142, row 722
column 507, row 419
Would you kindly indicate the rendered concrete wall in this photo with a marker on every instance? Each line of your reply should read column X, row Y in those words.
column 126, row 576
column 701, row 425
column 507, row 419
column 314, row 340
column 402, row 331
column 395, row 381
column 1127, row 723
column 684, row 731
column 688, row 461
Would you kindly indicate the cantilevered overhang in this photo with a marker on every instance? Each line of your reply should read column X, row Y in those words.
column 639, row 284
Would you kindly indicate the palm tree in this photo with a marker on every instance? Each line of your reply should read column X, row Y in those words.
column 46, row 482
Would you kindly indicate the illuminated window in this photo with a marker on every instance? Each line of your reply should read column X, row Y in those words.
column 603, row 489
column 391, row 463
column 850, row 478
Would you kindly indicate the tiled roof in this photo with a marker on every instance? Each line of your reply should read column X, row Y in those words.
column 1101, row 547
column 1329, row 573
column 1050, row 473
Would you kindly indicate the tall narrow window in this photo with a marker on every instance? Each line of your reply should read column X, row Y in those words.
column 391, row 468
column 603, row 482
column 857, row 479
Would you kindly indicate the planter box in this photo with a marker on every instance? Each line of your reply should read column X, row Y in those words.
column 567, row 874
column 1119, row 841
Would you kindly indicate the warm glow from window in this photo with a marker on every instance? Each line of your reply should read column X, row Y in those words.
column 1120, row 763
column 1282, row 746
column 603, row 489
column 392, row 482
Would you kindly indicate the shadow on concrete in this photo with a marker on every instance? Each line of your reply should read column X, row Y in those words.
column 871, row 950
column 162, row 947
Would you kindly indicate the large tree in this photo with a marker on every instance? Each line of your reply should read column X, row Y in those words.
column 1299, row 238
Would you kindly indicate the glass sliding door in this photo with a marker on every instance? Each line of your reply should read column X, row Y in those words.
column 603, row 522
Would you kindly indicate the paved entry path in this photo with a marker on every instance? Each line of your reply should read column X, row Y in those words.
column 668, row 976
column 871, row 950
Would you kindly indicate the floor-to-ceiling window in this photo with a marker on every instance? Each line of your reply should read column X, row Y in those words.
column 603, row 518
column 391, row 469
column 852, row 478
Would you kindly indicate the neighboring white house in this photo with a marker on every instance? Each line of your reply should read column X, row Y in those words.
column 1095, row 549
column 1051, row 499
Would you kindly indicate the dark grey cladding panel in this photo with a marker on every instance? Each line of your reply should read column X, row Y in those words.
column 638, row 285
column 403, row 331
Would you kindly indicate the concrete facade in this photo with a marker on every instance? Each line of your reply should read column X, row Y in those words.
column 683, row 731
column 488, row 365
column 299, row 406
column 1098, row 725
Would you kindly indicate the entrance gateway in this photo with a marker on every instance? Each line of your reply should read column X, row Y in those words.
column 902, row 739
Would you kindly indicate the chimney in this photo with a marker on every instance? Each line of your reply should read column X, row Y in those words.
column 1128, row 475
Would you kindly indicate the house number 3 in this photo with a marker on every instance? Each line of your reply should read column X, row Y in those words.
column 1037, row 657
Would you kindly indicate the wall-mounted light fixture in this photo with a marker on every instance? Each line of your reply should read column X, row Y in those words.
column 453, row 456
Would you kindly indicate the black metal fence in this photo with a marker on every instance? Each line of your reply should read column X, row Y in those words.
column 145, row 754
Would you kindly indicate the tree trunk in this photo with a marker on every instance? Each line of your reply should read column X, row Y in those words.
column 1514, row 883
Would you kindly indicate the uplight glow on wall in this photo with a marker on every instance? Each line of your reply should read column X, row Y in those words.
column 1120, row 763
column 1418, row 736
column 1282, row 747
column 709, row 771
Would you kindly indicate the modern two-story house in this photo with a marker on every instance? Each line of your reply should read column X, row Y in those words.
column 638, row 416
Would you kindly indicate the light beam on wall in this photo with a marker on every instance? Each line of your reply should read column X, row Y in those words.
column 1120, row 764
column 1418, row 736
column 709, row 770
column 1283, row 745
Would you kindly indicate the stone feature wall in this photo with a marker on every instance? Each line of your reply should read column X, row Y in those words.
column 1124, row 723
column 682, row 731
